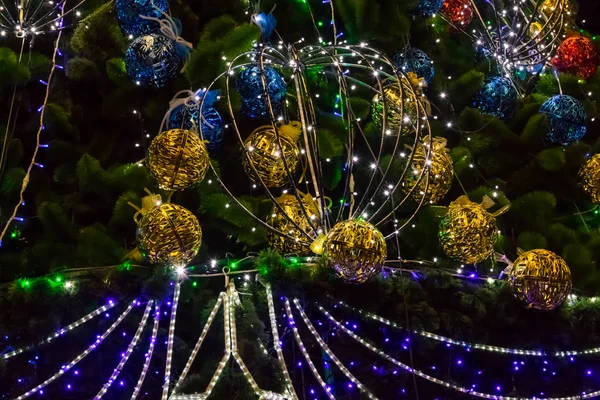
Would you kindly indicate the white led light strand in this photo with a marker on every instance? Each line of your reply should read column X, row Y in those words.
column 140, row 382
column 478, row 346
column 207, row 326
column 64, row 330
column 330, row 353
column 80, row 357
column 440, row 382
column 127, row 354
column 230, row 350
column 290, row 318
column 165, row 393
column 277, row 345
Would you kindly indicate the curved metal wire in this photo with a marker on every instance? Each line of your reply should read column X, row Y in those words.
column 349, row 66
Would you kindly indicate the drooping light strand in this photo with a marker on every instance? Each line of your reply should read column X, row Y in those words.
column 440, row 382
column 277, row 345
column 80, row 357
column 140, row 382
column 64, row 330
column 207, row 326
column 478, row 346
column 125, row 356
column 330, row 353
column 165, row 393
column 292, row 323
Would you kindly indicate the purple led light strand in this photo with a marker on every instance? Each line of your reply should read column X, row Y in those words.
column 80, row 356
column 127, row 354
column 165, row 393
column 330, row 353
column 277, row 345
column 140, row 382
column 315, row 372
column 440, row 382
column 205, row 330
column 64, row 330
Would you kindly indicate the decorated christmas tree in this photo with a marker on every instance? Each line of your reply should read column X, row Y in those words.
column 299, row 200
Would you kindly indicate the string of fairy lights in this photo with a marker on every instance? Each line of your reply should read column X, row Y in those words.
column 148, row 356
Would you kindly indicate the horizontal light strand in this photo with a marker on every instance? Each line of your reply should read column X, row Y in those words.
column 440, row 382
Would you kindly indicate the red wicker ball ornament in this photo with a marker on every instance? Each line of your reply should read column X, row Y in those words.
column 577, row 55
column 459, row 12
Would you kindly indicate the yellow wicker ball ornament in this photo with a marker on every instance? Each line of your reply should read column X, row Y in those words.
column 169, row 234
column 299, row 220
column 439, row 168
column 177, row 159
column 589, row 176
column 402, row 109
column 356, row 250
column 468, row 232
column 272, row 156
column 540, row 279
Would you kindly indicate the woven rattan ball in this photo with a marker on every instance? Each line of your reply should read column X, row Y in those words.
column 271, row 157
column 356, row 250
column 441, row 172
column 468, row 232
column 169, row 234
column 589, row 176
column 299, row 219
column 541, row 279
column 177, row 159
column 401, row 108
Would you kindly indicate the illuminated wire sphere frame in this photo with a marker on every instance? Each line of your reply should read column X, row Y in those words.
column 169, row 234
column 252, row 89
column 458, row 12
column 589, row 178
column 518, row 39
column 498, row 97
column 303, row 150
column 129, row 11
column 177, row 159
column 152, row 60
column 566, row 119
column 355, row 250
column 540, row 279
column 416, row 61
column 399, row 110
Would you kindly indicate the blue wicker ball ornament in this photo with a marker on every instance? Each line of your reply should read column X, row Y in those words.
column 129, row 11
column 566, row 119
column 429, row 7
column 187, row 117
column 249, row 85
column 498, row 97
column 416, row 61
column 152, row 60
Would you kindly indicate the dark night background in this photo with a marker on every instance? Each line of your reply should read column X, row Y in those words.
column 589, row 10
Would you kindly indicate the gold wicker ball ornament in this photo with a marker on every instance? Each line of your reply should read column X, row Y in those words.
column 272, row 156
column 468, row 232
column 540, row 279
column 589, row 176
column 177, row 159
column 401, row 108
column 169, row 234
column 298, row 219
column 356, row 250
column 436, row 181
